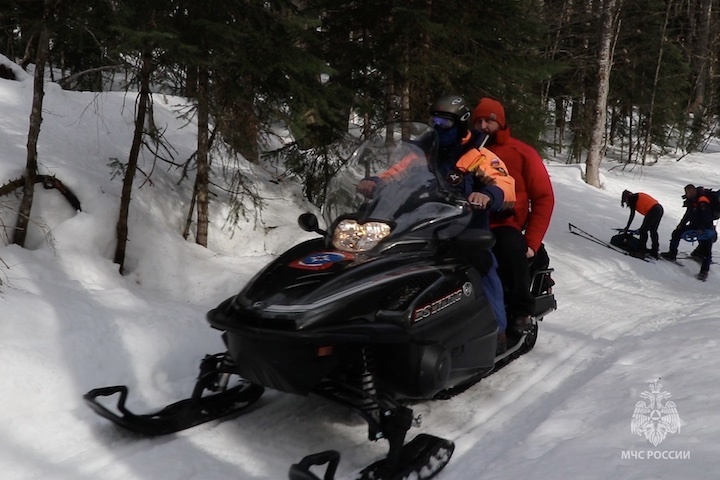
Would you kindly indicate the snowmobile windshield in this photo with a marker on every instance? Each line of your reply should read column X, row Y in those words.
column 389, row 188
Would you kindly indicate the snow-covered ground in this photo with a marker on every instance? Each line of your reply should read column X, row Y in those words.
column 69, row 323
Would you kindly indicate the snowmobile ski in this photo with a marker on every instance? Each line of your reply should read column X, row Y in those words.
column 185, row 413
column 177, row 416
column 423, row 457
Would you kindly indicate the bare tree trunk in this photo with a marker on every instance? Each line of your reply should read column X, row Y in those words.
column 596, row 148
column 191, row 82
column 389, row 99
column 28, row 55
column 191, row 210
column 656, row 79
column 559, row 130
column 143, row 100
column 580, row 123
column 202, row 181
column 631, row 147
column 551, row 51
column 702, row 60
column 405, row 84
column 41, row 55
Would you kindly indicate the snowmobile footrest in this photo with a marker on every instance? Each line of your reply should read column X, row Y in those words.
column 177, row 416
column 423, row 457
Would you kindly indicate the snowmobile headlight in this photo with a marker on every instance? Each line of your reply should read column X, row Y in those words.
column 351, row 236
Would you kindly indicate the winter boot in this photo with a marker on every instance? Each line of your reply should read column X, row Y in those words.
column 637, row 254
column 522, row 325
column 548, row 284
column 702, row 276
column 669, row 256
column 501, row 344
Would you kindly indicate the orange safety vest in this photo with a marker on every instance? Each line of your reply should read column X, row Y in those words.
column 644, row 203
column 490, row 170
column 398, row 170
column 486, row 166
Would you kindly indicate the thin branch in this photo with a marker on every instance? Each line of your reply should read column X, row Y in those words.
column 63, row 82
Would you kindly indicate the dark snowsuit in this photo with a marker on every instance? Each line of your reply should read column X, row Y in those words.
column 698, row 216
column 448, row 158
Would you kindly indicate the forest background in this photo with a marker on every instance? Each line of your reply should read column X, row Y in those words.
column 576, row 77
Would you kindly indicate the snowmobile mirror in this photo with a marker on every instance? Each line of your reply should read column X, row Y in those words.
column 309, row 223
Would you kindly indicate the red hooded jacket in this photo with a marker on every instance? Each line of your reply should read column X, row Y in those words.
column 535, row 199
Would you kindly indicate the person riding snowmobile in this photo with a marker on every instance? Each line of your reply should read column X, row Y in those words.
column 479, row 174
column 518, row 232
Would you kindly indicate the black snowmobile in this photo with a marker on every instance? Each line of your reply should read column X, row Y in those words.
column 385, row 307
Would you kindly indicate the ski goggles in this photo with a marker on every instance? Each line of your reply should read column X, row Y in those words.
column 442, row 122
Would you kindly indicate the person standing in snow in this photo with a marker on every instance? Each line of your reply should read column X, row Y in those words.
column 698, row 217
column 520, row 231
column 653, row 212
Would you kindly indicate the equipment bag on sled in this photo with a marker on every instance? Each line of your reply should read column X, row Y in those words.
column 627, row 241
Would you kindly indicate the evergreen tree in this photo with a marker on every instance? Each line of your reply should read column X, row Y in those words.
column 10, row 41
column 649, row 89
column 497, row 49
column 80, row 45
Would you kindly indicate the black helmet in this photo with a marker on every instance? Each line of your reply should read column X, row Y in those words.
column 453, row 107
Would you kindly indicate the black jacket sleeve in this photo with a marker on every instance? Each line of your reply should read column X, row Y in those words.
column 632, row 201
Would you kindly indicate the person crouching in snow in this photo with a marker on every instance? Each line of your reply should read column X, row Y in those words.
column 698, row 217
column 651, row 209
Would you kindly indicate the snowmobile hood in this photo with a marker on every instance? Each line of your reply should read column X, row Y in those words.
column 346, row 277
column 288, row 298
